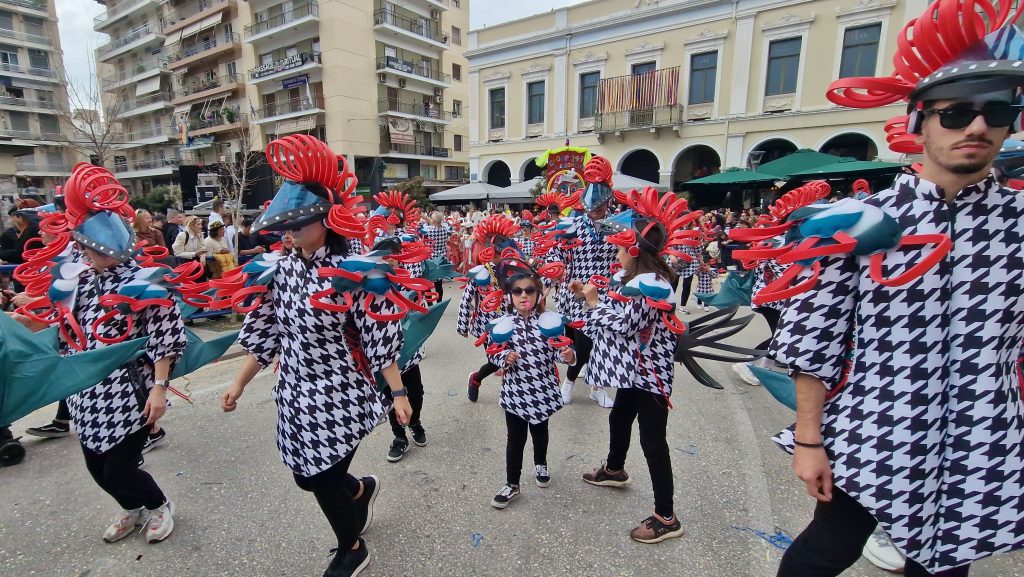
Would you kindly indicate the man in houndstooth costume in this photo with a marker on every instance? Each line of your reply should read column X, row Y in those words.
column 926, row 437
column 436, row 234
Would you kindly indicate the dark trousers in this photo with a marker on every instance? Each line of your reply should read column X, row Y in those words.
column 686, row 282
column 834, row 541
column 582, row 344
column 771, row 316
column 413, row 382
column 517, row 429
column 117, row 472
column 651, row 412
column 487, row 369
column 439, row 289
column 335, row 490
column 63, row 413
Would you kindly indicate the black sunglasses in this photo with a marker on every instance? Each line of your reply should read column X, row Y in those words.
column 956, row 118
column 518, row 291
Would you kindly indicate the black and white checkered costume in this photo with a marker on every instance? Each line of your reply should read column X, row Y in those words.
column 436, row 237
column 705, row 280
column 632, row 346
column 414, row 268
column 529, row 389
column 325, row 399
column 928, row 433
column 688, row 268
column 472, row 320
column 110, row 411
column 766, row 272
column 526, row 246
column 593, row 257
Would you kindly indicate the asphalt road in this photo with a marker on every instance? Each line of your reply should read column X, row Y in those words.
column 240, row 514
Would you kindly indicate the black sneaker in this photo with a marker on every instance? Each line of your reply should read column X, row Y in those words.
column 543, row 478
column 153, row 439
column 54, row 430
column 349, row 563
column 473, row 386
column 419, row 436
column 505, row 496
column 364, row 504
column 399, row 447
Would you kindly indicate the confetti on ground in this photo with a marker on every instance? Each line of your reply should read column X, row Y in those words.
column 476, row 538
column 780, row 540
column 692, row 450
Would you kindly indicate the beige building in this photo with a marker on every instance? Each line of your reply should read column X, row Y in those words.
column 34, row 156
column 673, row 90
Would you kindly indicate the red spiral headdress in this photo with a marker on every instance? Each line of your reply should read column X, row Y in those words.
column 403, row 212
column 674, row 214
column 91, row 189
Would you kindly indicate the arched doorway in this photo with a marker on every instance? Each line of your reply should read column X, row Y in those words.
column 531, row 170
column 641, row 164
column 499, row 174
column 851, row 144
column 695, row 162
column 774, row 149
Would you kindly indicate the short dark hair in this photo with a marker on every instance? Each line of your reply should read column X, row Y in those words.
column 246, row 221
column 217, row 204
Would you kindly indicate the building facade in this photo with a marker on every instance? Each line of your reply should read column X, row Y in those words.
column 33, row 99
column 671, row 91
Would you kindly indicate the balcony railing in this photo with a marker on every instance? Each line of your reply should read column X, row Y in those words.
column 134, row 103
column 190, row 10
column 289, row 106
column 32, row 166
column 639, row 118
column 222, row 39
column 30, row 134
column 33, row 4
column 416, row 149
column 395, row 63
column 119, row 9
column 429, row 31
column 134, row 165
column 311, row 9
column 12, row 101
column 414, row 108
column 197, row 85
column 30, row 70
column 24, row 36
column 127, row 39
column 133, row 71
column 282, row 64
column 148, row 132
column 223, row 117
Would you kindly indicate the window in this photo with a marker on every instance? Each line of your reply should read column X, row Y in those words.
column 428, row 171
column 458, row 143
column 49, row 124
column 783, row 66
column 54, row 158
column 9, row 55
column 535, row 102
column 703, row 69
column 588, row 94
column 455, row 3
column 44, row 95
column 19, row 121
column 456, row 36
column 497, row 96
column 456, row 108
column 34, row 25
column 860, row 51
column 454, row 173
column 456, row 72
column 232, row 68
column 6, row 21
column 643, row 67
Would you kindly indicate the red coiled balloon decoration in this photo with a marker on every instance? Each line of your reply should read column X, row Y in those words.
column 91, row 189
column 598, row 170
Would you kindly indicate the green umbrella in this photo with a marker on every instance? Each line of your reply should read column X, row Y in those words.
column 801, row 160
column 736, row 176
column 849, row 168
column 33, row 373
column 200, row 353
column 417, row 328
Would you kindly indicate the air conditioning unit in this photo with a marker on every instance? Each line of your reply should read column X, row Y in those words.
column 439, row 92
column 382, row 78
column 439, row 99
column 401, row 82
column 435, row 14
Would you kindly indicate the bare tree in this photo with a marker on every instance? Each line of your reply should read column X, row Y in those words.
column 240, row 171
column 92, row 115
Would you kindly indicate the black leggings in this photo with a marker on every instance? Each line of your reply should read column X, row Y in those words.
column 771, row 316
column 650, row 411
column 517, row 429
column 335, row 490
column 413, row 382
column 487, row 369
column 117, row 472
column 835, row 539
column 687, row 284
column 582, row 344
column 63, row 414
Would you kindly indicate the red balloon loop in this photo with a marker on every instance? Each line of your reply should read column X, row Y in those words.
column 808, row 250
column 480, row 340
column 380, row 317
column 494, row 349
column 943, row 244
column 404, row 303
column 576, row 324
column 560, row 342
column 659, row 305
column 318, row 302
column 601, row 282
column 781, row 288
column 619, row 297
column 243, row 294
column 106, row 318
column 674, row 323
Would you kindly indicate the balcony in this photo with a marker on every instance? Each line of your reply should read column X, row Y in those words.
column 41, row 137
column 27, row 37
column 420, row 71
column 292, row 108
column 136, row 38
column 286, row 66
column 135, row 73
column 188, row 14
column 34, row 7
column 441, row 5
column 144, row 104
column 413, row 110
column 218, row 121
column 423, row 31
column 119, row 11
column 303, row 19
column 203, row 88
column 198, row 51
column 644, row 101
column 29, row 167
column 29, row 104
column 145, row 168
column 29, row 71
column 639, row 119
column 146, row 135
column 414, row 150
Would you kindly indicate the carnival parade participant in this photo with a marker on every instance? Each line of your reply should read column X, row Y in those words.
column 707, row 272
column 436, row 233
column 329, row 343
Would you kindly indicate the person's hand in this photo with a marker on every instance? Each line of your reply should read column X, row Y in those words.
column 156, row 405
column 576, row 287
column 811, row 466
column 260, row 250
column 21, row 299
column 590, row 294
column 224, row 251
column 229, row 398
column 403, row 410
column 511, row 358
column 568, row 356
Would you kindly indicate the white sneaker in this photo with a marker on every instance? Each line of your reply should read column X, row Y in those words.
column 746, row 374
column 567, row 391
column 882, row 553
column 706, row 308
column 161, row 523
column 123, row 527
column 600, row 396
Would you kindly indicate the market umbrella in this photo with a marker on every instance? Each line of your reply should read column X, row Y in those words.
column 626, row 182
column 849, row 168
column 466, row 192
column 732, row 176
column 799, row 161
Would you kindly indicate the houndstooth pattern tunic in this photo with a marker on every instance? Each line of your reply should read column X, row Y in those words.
column 436, row 237
column 928, row 432
column 325, row 394
column 688, row 268
column 593, row 257
column 766, row 272
column 110, row 411
column 529, row 389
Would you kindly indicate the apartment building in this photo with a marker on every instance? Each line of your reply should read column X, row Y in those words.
column 670, row 91
column 32, row 95
column 176, row 67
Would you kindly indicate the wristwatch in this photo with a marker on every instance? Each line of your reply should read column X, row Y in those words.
column 164, row 383
column 403, row 392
